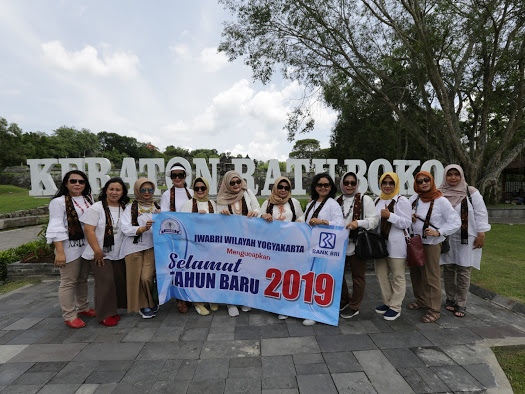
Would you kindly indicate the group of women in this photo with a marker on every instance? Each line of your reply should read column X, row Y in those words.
column 114, row 239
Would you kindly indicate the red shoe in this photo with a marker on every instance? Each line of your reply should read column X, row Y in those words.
column 89, row 313
column 77, row 323
column 116, row 317
column 109, row 322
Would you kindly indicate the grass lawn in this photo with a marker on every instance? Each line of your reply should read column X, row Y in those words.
column 16, row 284
column 512, row 359
column 14, row 198
column 503, row 261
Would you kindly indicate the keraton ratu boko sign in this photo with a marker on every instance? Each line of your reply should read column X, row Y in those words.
column 97, row 168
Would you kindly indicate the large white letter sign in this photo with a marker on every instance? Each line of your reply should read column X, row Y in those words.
column 273, row 173
column 248, row 175
column 71, row 164
column 298, row 165
column 405, row 171
column 201, row 169
column 151, row 165
column 128, row 172
column 438, row 170
column 320, row 163
column 98, row 168
column 373, row 174
column 358, row 167
column 40, row 176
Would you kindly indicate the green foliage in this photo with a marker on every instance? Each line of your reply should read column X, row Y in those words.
column 16, row 284
column 512, row 359
column 308, row 148
column 13, row 198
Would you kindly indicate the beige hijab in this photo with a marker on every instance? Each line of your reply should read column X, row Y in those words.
column 226, row 195
column 203, row 180
column 138, row 196
column 274, row 197
column 455, row 194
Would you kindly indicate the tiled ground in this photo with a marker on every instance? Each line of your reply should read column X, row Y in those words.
column 252, row 353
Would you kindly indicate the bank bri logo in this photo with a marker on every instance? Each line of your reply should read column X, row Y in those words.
column 327, row 240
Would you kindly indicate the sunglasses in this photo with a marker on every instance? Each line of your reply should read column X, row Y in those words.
column 146, row 190
column 281, row 187
column 237, row 182
column 79, row 181
column 179, row 175
column 323, row 185
column 421, row 180
column 348, row 183
column 388, row 183
column 200, row 188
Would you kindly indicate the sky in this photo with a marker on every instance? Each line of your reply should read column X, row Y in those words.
column 148, row 70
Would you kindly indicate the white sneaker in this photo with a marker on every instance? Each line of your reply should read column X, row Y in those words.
column 282, row 317
column 309, row 322
column 233, row 311
column 246, row 308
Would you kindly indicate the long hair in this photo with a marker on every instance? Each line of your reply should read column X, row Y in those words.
column 315, row 181
column 62, row 189
column 124, row 199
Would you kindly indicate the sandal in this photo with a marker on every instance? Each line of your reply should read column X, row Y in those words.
column 450, row 305
column 414, row 305
column 460, row 311
column 429, row 318
column 182, row 306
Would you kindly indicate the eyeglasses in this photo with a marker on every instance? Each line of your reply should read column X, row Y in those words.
column 200, row 188
column 421, row 180
column 323, row 185
column 237, row 182
column 146, row 190
column 281, row 187
column 180, row 175
column 348, row 183
column 79, row 181
column 388, row 183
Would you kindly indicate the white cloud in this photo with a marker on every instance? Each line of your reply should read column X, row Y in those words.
column 212, row 60
column 120, row 64
column 181, row 51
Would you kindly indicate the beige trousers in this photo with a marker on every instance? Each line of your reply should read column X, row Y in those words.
column 426, row 280
column 140, row 270
column 392, row 289
column 457, row 282
column 73, row 290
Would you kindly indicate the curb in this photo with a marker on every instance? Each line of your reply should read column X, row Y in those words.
column 504, row 302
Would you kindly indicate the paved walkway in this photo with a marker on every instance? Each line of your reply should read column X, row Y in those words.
column 13, row 238
column 252, row 353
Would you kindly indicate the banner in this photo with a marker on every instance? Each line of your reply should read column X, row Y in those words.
column 280, row 267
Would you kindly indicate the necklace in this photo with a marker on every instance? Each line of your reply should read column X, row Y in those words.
column 79, row 207
column 345, row 215
column 237, row 211
column 115, row 225
column 146, row 210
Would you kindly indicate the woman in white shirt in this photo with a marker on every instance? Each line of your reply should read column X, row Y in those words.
column 173, row 200
column 102, row 227
column 433, row 218
column 466, row 243
column 322, row 209
column 200, row 203
column 137, row 249
column 282, row 206
column 66, row 232
column 234, row 198
column 395, row 213
column 358, row 212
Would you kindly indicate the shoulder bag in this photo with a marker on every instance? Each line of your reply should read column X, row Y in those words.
column 415, row 253
column 369, row 244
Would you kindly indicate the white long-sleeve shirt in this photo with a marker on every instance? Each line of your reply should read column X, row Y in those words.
column 284, row 211
column 330, row 212
column 251, row 203
column 368, row 222
column 201, row 206
column 401, row 219
column 478, row 222
column 180, row 199
column 130, row 231
column 444, row 218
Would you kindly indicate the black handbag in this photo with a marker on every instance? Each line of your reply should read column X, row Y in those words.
column 370, row 245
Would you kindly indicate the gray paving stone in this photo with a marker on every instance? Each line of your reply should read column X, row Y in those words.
column 247, row 332
column 497, row 332
column 279, row 383
column 225, row 336
column 357, row 327
column 101, row 377
column 278, row 366
column 292, row 345
column 298, row 330
column 60, row 389
column 240, row 385
column 10, row 372
column 403, row 358
column 110, row 351
column 482, row 373
column 140, row 335
column 36, row 378
column 110, row 337
column 345, row 343
column 87, row 389
column 169, row 387
column 7, row 352
column 400, row 339
column 187, row 369
column 432, row 356
column 415, row 381
column 207, row 386
column 200, row 322
column 9, row 336
column 194, row 334
column 325, row 329
column 212, row 369
column 245, row 373
column 167, row 334
column 114, row 365
column 48, row 352
column 50, row 323
column 264, row 319
column 23, row 324
column 311, row 369
column 354, row 382
column 48, row 367
column 29, row 337
column 22, row 389
column 75, row 372
column 106, row 388
column 144, row 370
column 170, row 350
column 231, row 349
column 432, row 380
column 381, row 373
column 85, row 335
column 169, row 370
column 274, row 331
column 280, row 391
column 452, row 336
column 316, row 384
column 308, row 358
column 245, row 362
column 342, row 362
column 464, row 354
column 457, row 378
column 132, row 388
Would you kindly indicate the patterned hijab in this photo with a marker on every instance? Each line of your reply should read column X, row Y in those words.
column 341, row 186
column 275, row 199
column 203, row 180
column 138, row 196
column 455, row 194
column 432, row 193
column 226, row 195
column 395, row 192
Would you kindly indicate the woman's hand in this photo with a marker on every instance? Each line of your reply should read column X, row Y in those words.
column 316, row 221
column 60, row 259
column 99, row 258
column 267, row 217
column 385, row 213
column 225, row 212
column 479, row 241
column 156, row 211
column 414, row 218
column 149, row 223
column 251, row 214
column 202, row 211
column 429, row 232
column 352, row 225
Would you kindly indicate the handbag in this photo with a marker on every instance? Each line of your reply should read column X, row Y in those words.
column 370, row 245
column 415, row 253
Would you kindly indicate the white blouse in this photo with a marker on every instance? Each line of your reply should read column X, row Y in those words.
column 201, row 206
column 251, row 203
column 130, row 231
column 95, row 216
column 444, row 218
column 478, row 222
column 401, row 219
column 369, row 221
column 57, row 229
column 284, row 212
column 180, row 199
column 331, row 212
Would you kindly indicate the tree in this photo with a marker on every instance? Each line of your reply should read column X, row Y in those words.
column 451, row 73
column 11, row 143
column 305, row 149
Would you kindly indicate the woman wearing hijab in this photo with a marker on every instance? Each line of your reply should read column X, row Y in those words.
column 358, row 212
column 281, row 206
column 200, row 203
column 395, row 213
column 234, row 198
column 173, row 200
column 102, row 227
column 137, row 249
column 433, row 218
column 466, row 243
column 66, row 232
column 322, row 209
